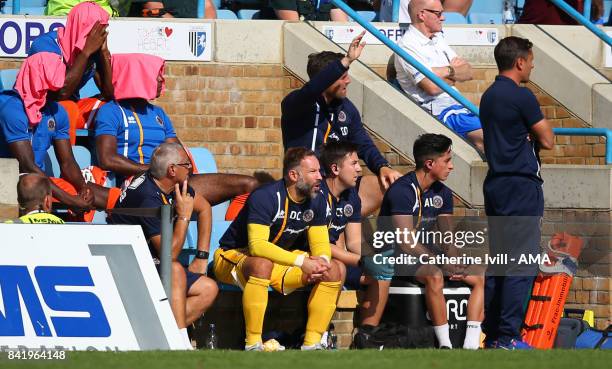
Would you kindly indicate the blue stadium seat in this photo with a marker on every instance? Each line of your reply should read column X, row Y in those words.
column 90, row 89
column 205, row 163
column 454, row 18
column 31, row 10
column 607, row 9
column 204, row 160
column 367, row 15
column 249, row 14
column 191, row 240
column 485, row 18
column 81, row 154
column 226, row 14
column 487, row 6
column 7, row 78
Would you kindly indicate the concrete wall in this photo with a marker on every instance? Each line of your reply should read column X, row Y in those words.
column 577, row 88
column 9, row 174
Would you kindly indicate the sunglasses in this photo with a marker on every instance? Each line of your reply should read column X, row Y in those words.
column 437, row 13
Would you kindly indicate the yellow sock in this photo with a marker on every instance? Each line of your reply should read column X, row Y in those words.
column 254, row 303
column 321, row 307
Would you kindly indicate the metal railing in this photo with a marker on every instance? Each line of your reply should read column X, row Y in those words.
column 407, row 57
column 583, row 20
column 164, row 214
column 599, row 132
column 454, row 93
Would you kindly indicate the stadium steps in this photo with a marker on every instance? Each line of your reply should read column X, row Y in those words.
column 570, row 80
column 398, row 122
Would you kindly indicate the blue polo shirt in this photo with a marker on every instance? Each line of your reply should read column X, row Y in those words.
column 307, row 120
column 507, row 113
column 345, row 209
column 143, row 192
column 47, row 42
column 139, row 130
column 405, row 197
column 15, row 126
column 270, row 205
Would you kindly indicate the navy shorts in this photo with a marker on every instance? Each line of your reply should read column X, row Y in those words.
column 191, row 277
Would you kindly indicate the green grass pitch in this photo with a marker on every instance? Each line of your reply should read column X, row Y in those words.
column 363, row 359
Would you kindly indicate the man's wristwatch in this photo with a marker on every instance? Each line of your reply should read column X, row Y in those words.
column 451, row 72
column 382, row 166
column 202, row 255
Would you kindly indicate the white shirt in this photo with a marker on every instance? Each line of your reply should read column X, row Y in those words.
column 386, row 11
column 433, row 52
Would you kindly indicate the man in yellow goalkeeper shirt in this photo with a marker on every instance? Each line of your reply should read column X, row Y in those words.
column 35, row 200
column 259, row 249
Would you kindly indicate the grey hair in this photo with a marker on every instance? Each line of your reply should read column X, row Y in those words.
column 164, row 155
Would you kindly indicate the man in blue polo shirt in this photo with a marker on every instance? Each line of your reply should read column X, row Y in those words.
column 166, row 183
column 418, row 202
column 261, row 249
column 27, row 140
column 514, row 131
column 320, row 112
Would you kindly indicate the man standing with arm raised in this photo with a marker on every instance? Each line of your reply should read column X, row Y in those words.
column 320, row 112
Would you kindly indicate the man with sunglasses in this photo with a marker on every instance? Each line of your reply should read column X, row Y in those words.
column 166, row 183
column 425, row 42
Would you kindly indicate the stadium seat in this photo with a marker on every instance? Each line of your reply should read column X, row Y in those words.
column 205, row 163
column 33, row 3
column 30, row 10
column 7, row 78
column 191, row 240
column 81, row 154
column 487, row 6
column 367, row 15
column 226, row 14
column 90, row 89
column 454, row 18
column 249, row 14
column 607, row 9
column 485, row 18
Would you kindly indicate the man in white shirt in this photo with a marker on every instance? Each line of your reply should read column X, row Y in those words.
column 425, row 42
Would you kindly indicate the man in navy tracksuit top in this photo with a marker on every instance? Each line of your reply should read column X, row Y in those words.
column 320, row 112
column 514, row 131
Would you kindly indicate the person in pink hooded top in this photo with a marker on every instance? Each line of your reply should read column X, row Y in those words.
column 128, row 129
column 82, row 45
column 30, row 123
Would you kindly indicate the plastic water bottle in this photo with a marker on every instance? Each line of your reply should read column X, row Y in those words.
column 508, row 14
column 332, row 339
column 211, row 341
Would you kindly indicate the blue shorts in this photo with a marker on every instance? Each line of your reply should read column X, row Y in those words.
column 382, row 271
column 460, row 120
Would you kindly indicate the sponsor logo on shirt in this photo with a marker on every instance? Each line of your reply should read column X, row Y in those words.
column 51, row 124
column 348, row 210
column 159, row 120
column 308, row 216
column 435, row 201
